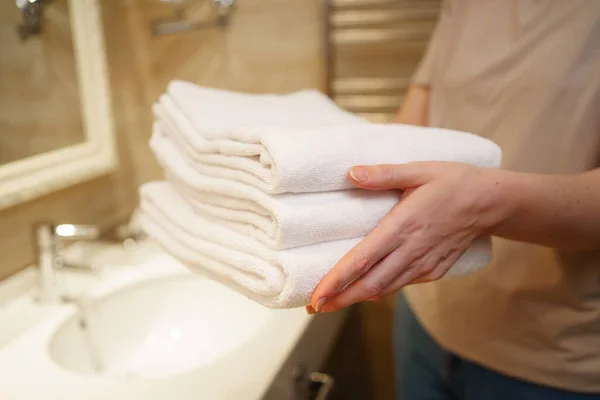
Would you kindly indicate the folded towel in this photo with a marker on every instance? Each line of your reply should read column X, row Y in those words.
column 276, row 279
column 282, row 220
column 218, row 110
column 278, row 158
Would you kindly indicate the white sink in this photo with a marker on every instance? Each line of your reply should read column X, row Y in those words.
column 156, row 328
column 154, row 331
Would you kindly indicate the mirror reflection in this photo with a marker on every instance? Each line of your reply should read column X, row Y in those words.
column 39, row 93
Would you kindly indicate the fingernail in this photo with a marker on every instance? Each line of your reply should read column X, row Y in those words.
column 320, row 303
column 359, row 174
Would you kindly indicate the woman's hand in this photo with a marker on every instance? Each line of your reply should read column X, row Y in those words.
column 444, row 208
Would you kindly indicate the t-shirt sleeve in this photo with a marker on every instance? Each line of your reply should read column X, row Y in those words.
column 423, row 73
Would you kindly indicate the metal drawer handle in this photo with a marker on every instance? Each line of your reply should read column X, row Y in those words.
column 326, row 382
column 307, row 381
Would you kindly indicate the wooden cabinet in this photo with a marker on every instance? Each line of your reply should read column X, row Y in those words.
column 301, row 376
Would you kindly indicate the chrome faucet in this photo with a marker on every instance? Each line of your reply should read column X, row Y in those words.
column 33, row 13
column 50, row 239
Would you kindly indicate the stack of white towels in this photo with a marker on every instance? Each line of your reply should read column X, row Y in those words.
column 256, row 194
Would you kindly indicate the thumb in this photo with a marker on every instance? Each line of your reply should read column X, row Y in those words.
column 392, row 176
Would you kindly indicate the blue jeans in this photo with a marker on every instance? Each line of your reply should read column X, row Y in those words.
column 425, row 371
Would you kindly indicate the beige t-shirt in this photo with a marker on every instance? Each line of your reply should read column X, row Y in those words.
column 526, row 74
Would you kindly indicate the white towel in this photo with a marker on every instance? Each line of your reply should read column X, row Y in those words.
column 276, row 279
column 280, row 221
column 218, row 110
column 227, row 142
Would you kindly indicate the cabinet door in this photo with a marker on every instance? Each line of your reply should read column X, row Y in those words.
column 299, row 377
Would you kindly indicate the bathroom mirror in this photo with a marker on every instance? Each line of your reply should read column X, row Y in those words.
column 56, row 127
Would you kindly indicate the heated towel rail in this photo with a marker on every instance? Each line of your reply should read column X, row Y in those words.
column 371, row 49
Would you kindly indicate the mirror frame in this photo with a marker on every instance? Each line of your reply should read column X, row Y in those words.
column 36, row 176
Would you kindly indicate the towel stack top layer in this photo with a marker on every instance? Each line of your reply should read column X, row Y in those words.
column 277, row 149
column 216, row 110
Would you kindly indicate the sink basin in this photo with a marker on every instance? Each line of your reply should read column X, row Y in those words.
column 155, row 328
column 149, row 330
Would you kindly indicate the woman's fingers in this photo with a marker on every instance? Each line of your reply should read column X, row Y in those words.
column 419, row 268
column 377, row 278
column 408, row 264
column 428, row 274
column 394, row 176
column 384, row 239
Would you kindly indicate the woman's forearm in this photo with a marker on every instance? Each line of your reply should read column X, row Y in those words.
column 415, row 107
column 561, row 211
